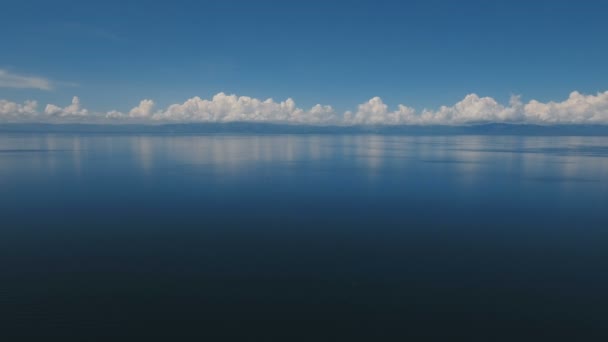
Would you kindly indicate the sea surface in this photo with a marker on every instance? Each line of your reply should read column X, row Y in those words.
column 220, row 237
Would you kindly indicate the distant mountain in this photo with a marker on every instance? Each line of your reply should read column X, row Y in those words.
column 266, row 128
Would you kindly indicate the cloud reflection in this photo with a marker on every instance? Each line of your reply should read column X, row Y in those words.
column 407, row 162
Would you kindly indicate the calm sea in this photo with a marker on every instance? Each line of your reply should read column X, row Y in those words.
column 303, row 238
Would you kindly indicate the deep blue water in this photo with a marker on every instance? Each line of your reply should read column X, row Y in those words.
column 303, row 237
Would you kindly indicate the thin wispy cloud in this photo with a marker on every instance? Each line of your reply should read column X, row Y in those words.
column 12, row 80
column 222, row 108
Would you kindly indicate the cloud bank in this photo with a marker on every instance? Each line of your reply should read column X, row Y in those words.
column 222, row 108
column 71, row 110
column 10, row 80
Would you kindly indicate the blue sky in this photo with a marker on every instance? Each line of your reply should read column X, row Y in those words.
column 112, row 54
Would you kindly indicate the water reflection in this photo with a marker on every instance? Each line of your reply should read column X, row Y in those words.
column 465, row 160
column 143, row 150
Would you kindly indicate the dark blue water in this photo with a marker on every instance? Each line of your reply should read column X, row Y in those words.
column 311, row 238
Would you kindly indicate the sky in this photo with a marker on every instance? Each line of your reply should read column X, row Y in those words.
column 323, row 62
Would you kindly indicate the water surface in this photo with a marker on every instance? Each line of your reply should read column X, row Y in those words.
column 303, row 237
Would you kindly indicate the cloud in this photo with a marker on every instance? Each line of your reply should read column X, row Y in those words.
column 473, row 109
column 232, row 108
column 142, row 111
column 12, row 110
column 10, row 80
column 578, row 108
column 375, row 112
column 221, row 108
column 69, row 111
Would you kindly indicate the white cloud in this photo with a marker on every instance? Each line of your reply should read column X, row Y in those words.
column 472, row 109
column 576, row 109
column 232, row 108
column 10, row 80
column 375, row 112
column 14, row 110
column 144, row 109
column 71, row 110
